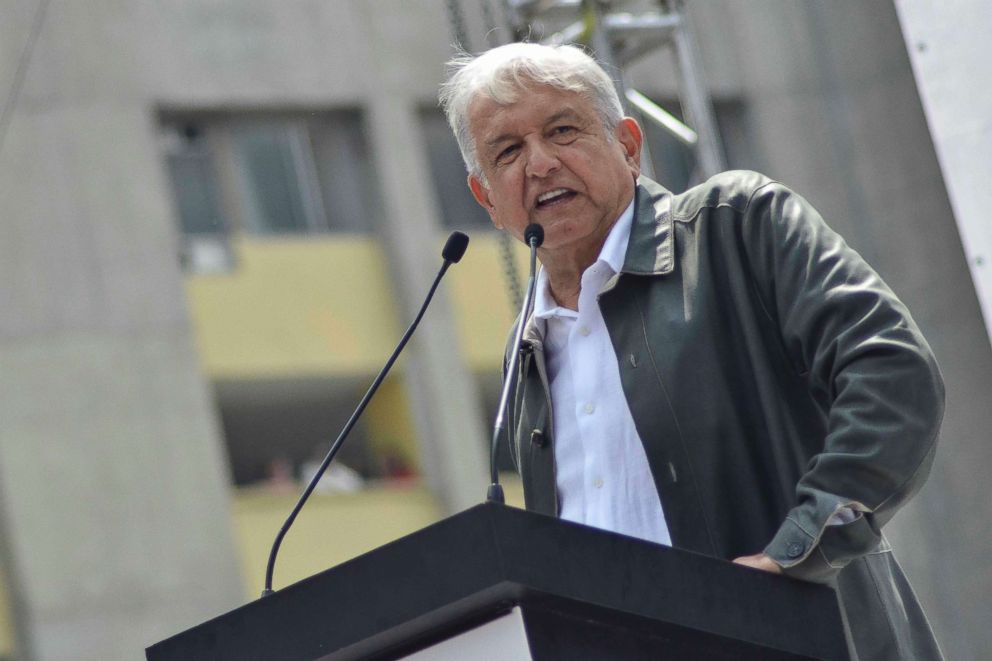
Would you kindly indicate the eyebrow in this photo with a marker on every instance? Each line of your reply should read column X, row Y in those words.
column 564, row 113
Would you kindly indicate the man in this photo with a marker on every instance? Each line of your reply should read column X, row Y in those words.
column 716, row 370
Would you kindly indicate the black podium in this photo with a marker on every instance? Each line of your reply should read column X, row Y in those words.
column 495, row 575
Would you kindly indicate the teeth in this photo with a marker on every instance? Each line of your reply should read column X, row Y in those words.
column 544, row 197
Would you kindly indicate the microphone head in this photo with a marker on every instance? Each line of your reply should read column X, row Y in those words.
column 534, row 235
column 455, row 247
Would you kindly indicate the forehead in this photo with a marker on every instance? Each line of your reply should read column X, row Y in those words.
column 533, row 107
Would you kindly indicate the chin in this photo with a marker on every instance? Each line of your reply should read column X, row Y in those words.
column 554, row 240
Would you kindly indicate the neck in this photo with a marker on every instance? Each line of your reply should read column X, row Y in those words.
column 565, row 267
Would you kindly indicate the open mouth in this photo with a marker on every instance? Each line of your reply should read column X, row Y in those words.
column 554, row 197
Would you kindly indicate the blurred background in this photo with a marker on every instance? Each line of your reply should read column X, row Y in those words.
column 218, row 216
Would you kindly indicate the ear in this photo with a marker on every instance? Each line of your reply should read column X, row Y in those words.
column 631, row 138
column 481, row 195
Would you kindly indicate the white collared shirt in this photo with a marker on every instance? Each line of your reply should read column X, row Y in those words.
column 603, row 476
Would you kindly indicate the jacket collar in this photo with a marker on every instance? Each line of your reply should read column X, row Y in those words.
column 651, row 250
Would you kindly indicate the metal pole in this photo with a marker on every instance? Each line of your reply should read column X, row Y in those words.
column 694, row 96
column 603, row 51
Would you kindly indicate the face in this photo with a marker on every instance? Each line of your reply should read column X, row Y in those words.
column 548, row 159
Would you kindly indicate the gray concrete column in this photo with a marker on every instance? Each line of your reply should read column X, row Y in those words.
column 444, row 394
column 403, row 69
column 113, row 485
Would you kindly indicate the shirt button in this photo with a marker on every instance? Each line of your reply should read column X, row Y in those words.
column 598, row 483
column 584, row 331
column 589, row 408
column 795, row 549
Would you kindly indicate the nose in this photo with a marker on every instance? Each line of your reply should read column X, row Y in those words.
column 542, row 160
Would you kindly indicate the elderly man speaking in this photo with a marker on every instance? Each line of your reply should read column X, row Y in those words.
column 714, row 370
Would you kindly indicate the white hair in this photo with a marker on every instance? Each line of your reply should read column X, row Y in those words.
column 502, row 73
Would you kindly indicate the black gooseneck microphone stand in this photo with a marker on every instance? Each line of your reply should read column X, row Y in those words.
column 533, row 237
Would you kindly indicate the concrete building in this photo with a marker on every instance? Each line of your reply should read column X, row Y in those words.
column 217, row 218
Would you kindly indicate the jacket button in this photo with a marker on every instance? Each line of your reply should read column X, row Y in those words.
column 538, row 439
column 795, row 549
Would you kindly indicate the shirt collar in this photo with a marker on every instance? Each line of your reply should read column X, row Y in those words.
column 615, row 247
column 612, row 254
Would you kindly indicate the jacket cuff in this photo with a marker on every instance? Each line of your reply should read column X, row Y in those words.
column 819, row 557
column 795, row 551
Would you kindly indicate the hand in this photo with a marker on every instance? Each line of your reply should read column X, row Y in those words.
column 759, row 561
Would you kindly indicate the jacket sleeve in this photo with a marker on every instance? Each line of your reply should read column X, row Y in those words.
column 865, row 358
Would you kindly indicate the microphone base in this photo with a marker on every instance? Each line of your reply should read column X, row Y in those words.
column 495, row 494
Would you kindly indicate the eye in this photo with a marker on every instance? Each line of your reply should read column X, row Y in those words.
column 507, row 154
column 563, row 132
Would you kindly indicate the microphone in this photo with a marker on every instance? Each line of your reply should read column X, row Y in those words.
column 533, row 237
column 455, row 247
column 534, row 234
column 452, row 253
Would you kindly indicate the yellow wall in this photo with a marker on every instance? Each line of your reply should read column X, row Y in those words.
column 389, row 424
column 324, row 306
column 298, row 307
column 483, row 310
column 331, row 528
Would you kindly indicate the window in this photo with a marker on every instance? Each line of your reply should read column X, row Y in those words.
column 459, row 210
column 266, row 174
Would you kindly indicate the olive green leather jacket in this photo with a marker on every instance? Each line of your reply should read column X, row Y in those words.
column 774, row 379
